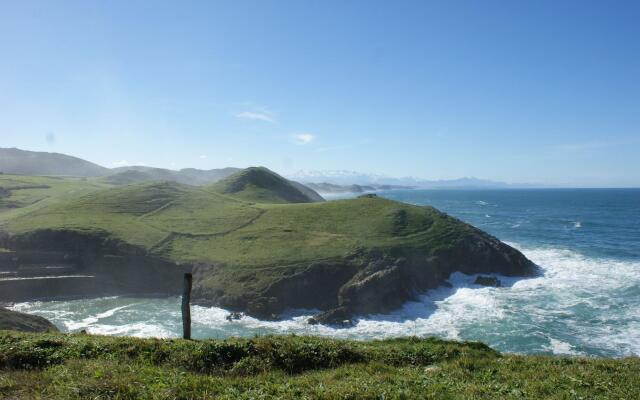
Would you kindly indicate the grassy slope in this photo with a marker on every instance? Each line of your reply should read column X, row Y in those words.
column 29, row 190
column 81, row 366
column 30, row 193
column 185, row 223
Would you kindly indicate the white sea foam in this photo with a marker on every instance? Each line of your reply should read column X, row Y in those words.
column 578, row 305
column 562, row 348
column 571, row 285
column 137, row 329
column 92, row 320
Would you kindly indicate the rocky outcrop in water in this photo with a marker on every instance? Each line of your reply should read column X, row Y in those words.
column 488, row 281
column 373, row 282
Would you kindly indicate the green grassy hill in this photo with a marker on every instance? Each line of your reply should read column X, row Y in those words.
column 58, row 366
column 189, row 224
column 258, row 184
column 187, row 176
column 261, row 232
column 21, row 194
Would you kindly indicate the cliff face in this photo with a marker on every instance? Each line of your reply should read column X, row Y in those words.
column 372, row 282
column 389, row 280
column 365, row 282
column 368, row 282
column 62, row 264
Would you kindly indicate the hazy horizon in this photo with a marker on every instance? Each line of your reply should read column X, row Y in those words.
column 426, row 90
column 350, row 177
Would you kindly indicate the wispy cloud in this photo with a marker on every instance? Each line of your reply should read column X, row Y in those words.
column 202, row 156
column 256, row 116
column 303, row 138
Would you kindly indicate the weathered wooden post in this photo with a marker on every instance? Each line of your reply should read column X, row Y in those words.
column 186, row 308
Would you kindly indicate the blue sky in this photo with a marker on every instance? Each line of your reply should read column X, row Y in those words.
column 539, row 91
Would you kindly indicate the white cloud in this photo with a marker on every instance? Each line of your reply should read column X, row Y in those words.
column 303, row 138
column 121, row 163
column 256, row 116
column 202, row 156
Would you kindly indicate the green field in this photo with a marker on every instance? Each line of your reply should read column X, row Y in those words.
column 29, row 193
column 59, row 366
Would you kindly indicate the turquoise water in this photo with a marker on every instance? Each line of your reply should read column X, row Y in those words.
column 585, row 302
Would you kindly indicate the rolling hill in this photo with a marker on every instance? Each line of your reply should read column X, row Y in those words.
column 264, row 186
column 187, row 176
column 254, row 241
column 22, row 162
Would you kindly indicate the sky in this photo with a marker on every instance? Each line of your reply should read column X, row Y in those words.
column 543, row 92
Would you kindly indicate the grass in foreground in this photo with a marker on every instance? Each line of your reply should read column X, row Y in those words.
column 82, row 366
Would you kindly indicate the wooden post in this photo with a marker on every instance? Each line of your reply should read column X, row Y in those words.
column 186, row 309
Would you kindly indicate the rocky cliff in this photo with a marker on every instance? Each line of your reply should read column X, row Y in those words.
column 16, row 321
column 370, row 282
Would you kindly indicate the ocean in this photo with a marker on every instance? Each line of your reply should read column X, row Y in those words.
column 586, row 301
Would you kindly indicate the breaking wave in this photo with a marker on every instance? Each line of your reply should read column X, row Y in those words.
column 578, row 305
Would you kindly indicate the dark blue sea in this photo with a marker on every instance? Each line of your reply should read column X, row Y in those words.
column 586, row 300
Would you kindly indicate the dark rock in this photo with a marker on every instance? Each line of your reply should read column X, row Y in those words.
column 316, row 286
column 376, row 280
column 262, row 307
column 377, row 288
column 338, row 316
column 234, row 316
column 95, row 266
column 487, row 281
column 17, row 321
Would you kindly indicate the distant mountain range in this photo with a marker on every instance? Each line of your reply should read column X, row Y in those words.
column 188, row 176
column 23, row 162
column 332, row 188
column 342, row 179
